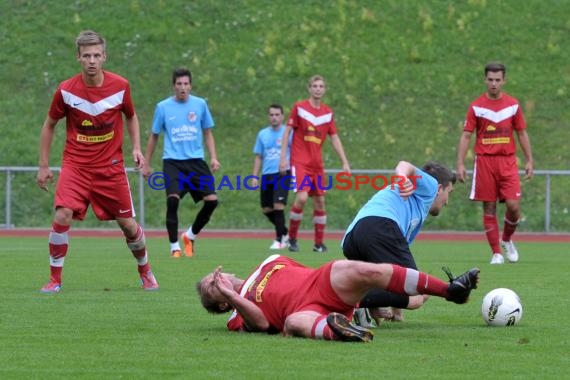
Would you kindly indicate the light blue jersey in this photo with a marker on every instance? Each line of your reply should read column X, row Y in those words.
column 268, row 146
column 182, row 124
column 409, row 214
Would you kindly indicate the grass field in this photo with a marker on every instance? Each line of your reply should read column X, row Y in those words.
column 103, row 326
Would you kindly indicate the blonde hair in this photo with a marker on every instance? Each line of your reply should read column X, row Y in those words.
column 89, row 38
column 315, row 78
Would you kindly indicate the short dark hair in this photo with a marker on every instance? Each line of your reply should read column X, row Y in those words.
column 275, row 105
column 181, row 72
column 495, row 67
column 441, row 173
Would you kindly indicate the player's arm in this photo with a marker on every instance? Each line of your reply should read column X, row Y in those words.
column 256, row 168
column 524, row 142
column 133, row 129
column 252, row 315
column 46, row 138
column 462, row 147
column 150, row 147
column 407, row 172
column 283, row 164
column 337, row 145
column 211, row 146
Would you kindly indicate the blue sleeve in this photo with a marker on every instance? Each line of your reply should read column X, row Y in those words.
column 258, row 147
column 158, row 120
column 207, row 120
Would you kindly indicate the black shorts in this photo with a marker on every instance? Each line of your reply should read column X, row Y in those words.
column 378, row 240
column 189, row 176
column 274, row 188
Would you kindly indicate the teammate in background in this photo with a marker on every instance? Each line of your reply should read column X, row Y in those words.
column 93, row 169
column 184, row 119
column 284, row 296
column 495, row 116
column 386, row 226
column 274, row 187
column 311, row 120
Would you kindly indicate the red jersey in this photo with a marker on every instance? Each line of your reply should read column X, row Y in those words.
column 281, row 286
column 311, row 126
column 494, row 121
column 94, row 119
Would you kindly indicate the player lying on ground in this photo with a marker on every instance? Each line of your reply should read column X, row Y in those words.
column 282, row 295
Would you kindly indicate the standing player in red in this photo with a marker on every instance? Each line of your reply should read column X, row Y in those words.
column 93, row 170
column 494, row 117
column 311, row 120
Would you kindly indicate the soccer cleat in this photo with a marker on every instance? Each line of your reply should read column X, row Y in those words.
column 320, row 248
column 285, row 240
column 188, row 245
column 497, row 258
column 277, row 245
column 460, row 287
column 363, row 318
column 148, row 281
column 293, row 247
column 176, row 254
column 51, row 287
column 510, row 250
column 347, row 331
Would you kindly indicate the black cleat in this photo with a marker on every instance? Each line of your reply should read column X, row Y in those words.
column 461, row 286
column 320, row 248
column 347, row 331
column 293, row 246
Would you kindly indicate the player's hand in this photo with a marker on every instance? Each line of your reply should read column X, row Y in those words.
column 44, row 177
column 222, row 283
column 254, row 182
column 138, row 158
column 283, row 166
column 461, row 173
column 346, row 168
column 407, row 188
column 146, row 170
column 215, row 164
column 528, row 171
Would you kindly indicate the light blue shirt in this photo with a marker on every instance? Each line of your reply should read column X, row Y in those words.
column 182, row 124
column 409, row 214
column 268, row 146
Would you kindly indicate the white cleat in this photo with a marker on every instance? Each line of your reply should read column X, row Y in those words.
column 278, row 245
column 510, row 251
column 497, row 259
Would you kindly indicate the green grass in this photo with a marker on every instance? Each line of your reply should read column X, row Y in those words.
column 103, row 326
column 400, row 73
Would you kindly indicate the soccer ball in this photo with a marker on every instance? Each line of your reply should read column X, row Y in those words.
column 501, row 307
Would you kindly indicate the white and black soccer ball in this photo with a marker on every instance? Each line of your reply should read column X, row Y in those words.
column 501, row 307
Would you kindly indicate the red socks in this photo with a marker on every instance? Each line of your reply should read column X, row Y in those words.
column 319, row 222
column 412, row 282
column 492, row 231
column 58, row 245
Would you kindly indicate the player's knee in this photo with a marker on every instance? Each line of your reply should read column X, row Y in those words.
column 294, row 325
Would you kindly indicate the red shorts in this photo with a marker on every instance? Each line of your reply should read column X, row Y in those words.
column 309, row 180
column 106, row 189
column 495, row 178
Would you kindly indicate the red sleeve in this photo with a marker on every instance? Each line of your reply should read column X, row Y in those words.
column 519, row 121
column 57, row 108
column 470, row 120
column 332, row 128
column 236, row 323
column 129, row 108
column 293, row 117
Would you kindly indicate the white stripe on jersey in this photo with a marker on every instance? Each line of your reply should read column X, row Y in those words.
column 250, row 279
column 89, row 108
column 314, row 120
column 496, row 116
